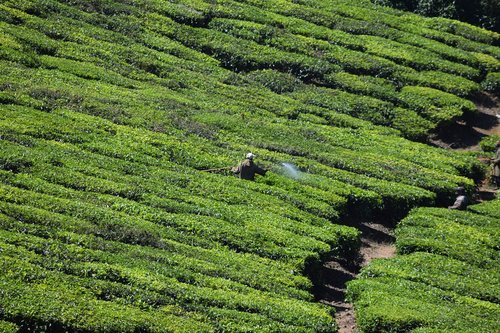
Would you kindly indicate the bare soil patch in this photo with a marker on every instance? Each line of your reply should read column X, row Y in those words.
column 377, row 241
column 466, row 132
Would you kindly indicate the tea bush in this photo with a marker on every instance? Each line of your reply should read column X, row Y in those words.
column 111, row 112
column 435, row 104
column 492, row 82
column 444, row 278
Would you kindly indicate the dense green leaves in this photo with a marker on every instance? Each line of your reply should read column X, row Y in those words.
column 110, row 111
column 483, row 13
column 444, row 278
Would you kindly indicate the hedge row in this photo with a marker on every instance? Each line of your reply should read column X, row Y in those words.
column 264, row 239
column 442, row 236
column 113, row 231
column 144, row 284
column 404, row 306
column 207, row 264
column 379, row 112
column 342, row 153
column 369, row 20
column 178, row 151
column 111, row 109
column 444, row 278
column 138, row 115
column 232, row 51
column 420, row 80
column 351, row 60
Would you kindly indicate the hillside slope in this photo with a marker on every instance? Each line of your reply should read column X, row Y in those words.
column 110, row 110
column 451, row 258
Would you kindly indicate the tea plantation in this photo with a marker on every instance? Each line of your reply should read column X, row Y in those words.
column 445, row 278
column 111, row 110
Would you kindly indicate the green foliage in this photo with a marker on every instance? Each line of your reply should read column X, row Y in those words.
column 492, row 82
column 404, row 305
column 444, row 278
column 487, row 208
column 488, row 62
column 442, row 236
column 416, row 58
column 365, row 85
column 111, row 110
column 8, row 327
column 365, row 107
column 68, row 306
column 488, row 143
column 441, row 272
column 435, row 104
column 275, row 81
column 483, row 13
column 446, row 82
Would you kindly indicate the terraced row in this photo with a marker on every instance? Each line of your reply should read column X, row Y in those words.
column 258, row 35
column 444, row 278
column 109, row 110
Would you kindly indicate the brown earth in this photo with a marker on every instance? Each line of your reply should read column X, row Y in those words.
column 467, row 132
column 377, row 239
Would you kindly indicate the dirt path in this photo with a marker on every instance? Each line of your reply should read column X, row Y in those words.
column 377, row 239
column 467, row 132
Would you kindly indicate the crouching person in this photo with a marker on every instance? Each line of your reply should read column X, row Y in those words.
column 461, row 201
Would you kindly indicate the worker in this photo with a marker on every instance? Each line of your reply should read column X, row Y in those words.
column 461, row 201
column 247, row 169
column 496, row 166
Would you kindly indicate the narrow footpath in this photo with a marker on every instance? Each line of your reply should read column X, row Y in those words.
column 466, row 133
column 378, row 239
